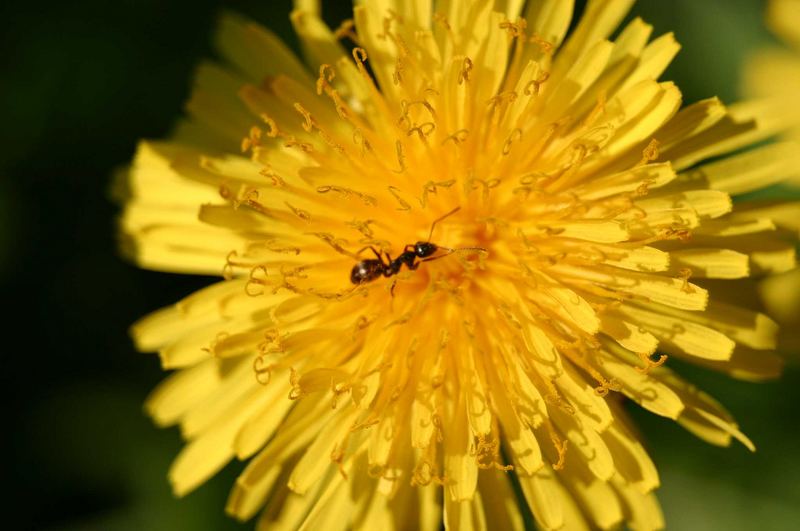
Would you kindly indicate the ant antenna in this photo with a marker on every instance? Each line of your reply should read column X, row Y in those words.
column 437, row 220
column 451, row 250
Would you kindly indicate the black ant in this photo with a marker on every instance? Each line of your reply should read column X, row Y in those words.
column 370, row 269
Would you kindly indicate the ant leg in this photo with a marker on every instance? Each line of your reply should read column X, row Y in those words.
column 377, row 255
column 391, row 290
column 371, row 248
column 364, row 249
column 387, row 267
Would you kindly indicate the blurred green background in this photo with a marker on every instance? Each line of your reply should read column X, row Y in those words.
column 81, row 82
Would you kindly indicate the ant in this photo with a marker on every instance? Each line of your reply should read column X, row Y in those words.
column 370, row 269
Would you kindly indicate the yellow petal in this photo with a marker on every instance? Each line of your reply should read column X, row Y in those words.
column 465, row 515
column 460, row 466
column 630, row 458
column 643, row 511
column 593, row 231
column 644, row 389
column 711, row 263
column 256, row 51
column 549, row 19
column 499, row 501
column 598, row 500
column 631, row 336
column 317, row 458
column 681, row 336
column 754, row 169
column 318, row 42
column 591, row 408
column 174, row 396
column 545, row 496
column 263, row 423
column 599, row 19
column 655, row 58
column 245, row 501
column 588, row 444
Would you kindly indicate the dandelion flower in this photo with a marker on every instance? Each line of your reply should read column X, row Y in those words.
column 453, row 242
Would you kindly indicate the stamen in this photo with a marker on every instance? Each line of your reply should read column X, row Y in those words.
column 346, row 30
column 515, row 29
column 252, row 140
column 273, row 131
column 430, row 188
column 225, row 191
column 649, row 362
column 441, row 19
column 365, row 424
column 560, row 445
column 685, row 274
column 423, row 473
column 359, row 140
column 466, row 68
column 406, row 105
column 253, row 281
column 294, row 380
column 263, row 371
column 295, row 272
column 458, row 137
column 337, row 456
column 270, row 245
column 399, row 66
column 308, row 123
column 299, row 212
column 277, row 181
column 423, row 130
column 361, row 324
column 650, row 152
column 292, row 142
column 545, row 46
column 347, row 192
column 487, row 455
column 326, row 76
column 360, row 57
column 401, row 158
column 403, row 319
column 363, row 227
column 473, row 183
column 503, row 98
column 599, row 109
column 533, row 87
column 336, row 243
column 514, row 136
column 211, row 348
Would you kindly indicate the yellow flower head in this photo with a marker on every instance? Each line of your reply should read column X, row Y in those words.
column 448, row 255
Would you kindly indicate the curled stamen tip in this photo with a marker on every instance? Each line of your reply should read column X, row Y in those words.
column 561, row 448
column 360, row 55
column 273, row 126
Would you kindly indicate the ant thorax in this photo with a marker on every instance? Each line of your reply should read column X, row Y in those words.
column 425, row 249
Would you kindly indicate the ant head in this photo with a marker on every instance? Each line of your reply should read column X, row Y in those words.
column 425, row 249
